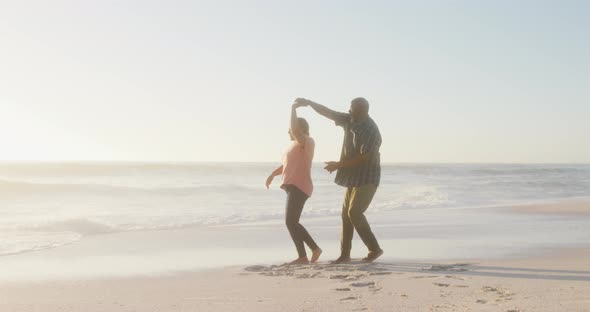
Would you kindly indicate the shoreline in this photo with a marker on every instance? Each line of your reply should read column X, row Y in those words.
column 407, row 236
column 571, row 206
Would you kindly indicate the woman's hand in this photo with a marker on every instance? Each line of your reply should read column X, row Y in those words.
column 269, row 181
column 275, row 173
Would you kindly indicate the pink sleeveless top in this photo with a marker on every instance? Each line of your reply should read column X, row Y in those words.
column 297, row 165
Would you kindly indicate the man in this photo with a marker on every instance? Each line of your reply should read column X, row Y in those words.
column 359, row 170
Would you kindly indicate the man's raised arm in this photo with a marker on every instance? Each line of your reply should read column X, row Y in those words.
column 338, row 117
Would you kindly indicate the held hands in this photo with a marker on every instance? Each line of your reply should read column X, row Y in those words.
column 296, row 105
column 332, row 166
column 301, row 102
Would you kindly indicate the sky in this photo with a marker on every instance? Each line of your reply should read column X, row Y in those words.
column 448, row 81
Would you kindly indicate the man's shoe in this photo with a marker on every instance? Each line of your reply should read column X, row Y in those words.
column 373, row 255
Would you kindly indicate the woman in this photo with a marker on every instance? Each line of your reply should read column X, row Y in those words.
column 296, row 172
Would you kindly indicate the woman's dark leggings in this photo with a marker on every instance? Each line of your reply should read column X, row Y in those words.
column 295, row 201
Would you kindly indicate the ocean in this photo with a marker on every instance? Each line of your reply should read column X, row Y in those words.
column 48, row 205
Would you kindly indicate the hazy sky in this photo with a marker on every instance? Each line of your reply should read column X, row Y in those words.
column 448, row 81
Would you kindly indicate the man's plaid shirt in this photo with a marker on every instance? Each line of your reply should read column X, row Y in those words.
column 359, row 138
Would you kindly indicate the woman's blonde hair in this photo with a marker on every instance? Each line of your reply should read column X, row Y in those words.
column 303, row 125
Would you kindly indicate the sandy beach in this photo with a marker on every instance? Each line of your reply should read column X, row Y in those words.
column 547, row 280
column 559, row 282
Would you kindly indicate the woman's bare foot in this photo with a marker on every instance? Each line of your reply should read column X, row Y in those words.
column 315, row 254
column 302, row 260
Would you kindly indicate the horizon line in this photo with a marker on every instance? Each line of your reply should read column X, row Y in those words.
column 160, row 162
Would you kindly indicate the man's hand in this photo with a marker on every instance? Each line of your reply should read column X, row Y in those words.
column 332, row 166
column 302, row 102
column 269, row 181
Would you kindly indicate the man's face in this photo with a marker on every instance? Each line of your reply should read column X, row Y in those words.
column 355, row 111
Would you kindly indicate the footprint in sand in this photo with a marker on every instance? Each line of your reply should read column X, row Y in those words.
column 481, row 301
column 257, row 268
column 304, row 275
column 349, row 298
column 363, row 284
column 441, row 284
column 441, row 307
column 375, row 288
column 343, row 289
column 317, row 274
column 380, row 273
column 424, row 276
column 503, row 294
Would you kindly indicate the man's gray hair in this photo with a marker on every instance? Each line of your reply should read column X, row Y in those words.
column 362, row 103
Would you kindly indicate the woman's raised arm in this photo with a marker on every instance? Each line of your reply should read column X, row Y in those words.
column 295, row 129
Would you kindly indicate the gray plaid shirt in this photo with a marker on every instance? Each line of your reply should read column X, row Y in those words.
column 359, row 138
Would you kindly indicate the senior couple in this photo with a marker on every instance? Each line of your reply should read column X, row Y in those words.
column 358, row 170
